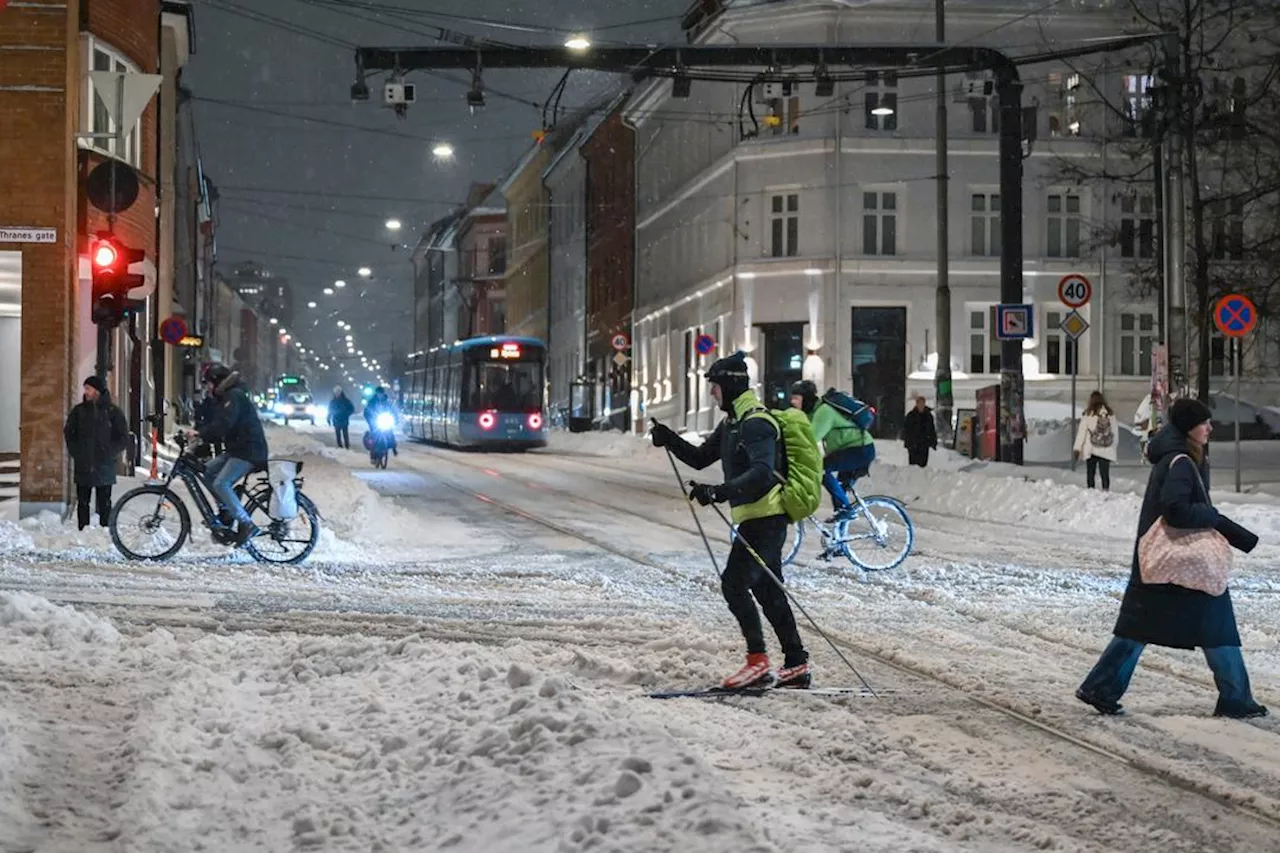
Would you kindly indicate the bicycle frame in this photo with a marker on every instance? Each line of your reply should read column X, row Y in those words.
column 188, row 474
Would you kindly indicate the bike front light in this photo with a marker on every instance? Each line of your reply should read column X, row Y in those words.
column 385, row 422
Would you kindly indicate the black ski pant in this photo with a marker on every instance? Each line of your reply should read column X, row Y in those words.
column 744, row 577
column 918, row 456
column 1095, row 465
column 342, row 433
column 83, row 496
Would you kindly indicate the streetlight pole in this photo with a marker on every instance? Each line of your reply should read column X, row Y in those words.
column 945, row 399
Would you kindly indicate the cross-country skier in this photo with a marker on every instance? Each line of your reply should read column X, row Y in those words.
column 748, row 447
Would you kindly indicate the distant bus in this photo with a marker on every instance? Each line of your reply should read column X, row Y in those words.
column 482, row 392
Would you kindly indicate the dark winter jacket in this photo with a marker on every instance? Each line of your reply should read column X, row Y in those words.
column 340, row 410
column 1165, row 614
column 918, row 431
column 206, row 410
column 236, row 423
column 749, row 452
column 96, row 435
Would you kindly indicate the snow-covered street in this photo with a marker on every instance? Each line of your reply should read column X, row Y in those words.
column 463, row 663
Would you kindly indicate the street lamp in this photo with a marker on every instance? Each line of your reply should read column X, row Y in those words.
column 364, row 272
column 339, row 283
column 328, row 291
column 311, row 305
column 882, row 111
column 578, row 42
column 273, row 321
column 442, row 151
column 393, row 224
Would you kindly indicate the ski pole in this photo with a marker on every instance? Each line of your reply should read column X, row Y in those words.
column 768, row 571
column 705, row 541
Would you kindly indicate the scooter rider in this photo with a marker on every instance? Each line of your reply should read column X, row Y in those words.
column 378, row 404
column 748, row 447
column 236, row 425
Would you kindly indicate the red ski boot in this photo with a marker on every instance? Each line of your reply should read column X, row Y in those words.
column 756, row 673
column 799, row 677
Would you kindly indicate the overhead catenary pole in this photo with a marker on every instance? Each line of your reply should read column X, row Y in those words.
column 944, row 396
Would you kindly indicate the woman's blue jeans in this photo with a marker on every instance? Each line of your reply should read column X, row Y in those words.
column 1109, row 678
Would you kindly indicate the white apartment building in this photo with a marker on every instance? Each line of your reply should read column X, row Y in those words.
column 566, row 182
column 811, row 244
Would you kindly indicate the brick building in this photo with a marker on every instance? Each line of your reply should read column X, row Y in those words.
column 47, row 343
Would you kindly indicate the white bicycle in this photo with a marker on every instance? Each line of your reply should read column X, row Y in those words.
column 878, row 527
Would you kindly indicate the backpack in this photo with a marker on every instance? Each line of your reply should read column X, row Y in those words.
column 1102, row 434
column 802, row 486
column 860, row 413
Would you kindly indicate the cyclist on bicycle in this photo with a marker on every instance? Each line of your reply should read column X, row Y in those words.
column 236, row 425
column 378, row 404
column 848, row 449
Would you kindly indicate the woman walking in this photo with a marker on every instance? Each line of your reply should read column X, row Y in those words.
column 1167, row 614
column 1096, row 440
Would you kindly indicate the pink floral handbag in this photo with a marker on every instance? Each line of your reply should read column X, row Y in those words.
column 1195, row 559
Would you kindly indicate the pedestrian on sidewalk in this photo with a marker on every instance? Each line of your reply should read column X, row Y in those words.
column 96, row 434
column 1167, row 614
column 1096, row 441
column 340, row 411
column 919, row 434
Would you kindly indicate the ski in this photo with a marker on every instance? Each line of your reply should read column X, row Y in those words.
column 722, row 692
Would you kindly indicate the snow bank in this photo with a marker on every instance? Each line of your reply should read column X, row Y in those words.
column 283, row 742
column 59, row 627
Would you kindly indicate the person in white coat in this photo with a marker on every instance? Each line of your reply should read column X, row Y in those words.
column 1096, row 441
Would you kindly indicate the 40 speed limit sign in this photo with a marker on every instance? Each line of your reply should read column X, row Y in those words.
column 1074, row 291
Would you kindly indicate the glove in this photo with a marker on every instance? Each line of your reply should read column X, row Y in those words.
column 704, row 493
column 662, row 435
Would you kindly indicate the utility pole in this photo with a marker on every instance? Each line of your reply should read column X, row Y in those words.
column 944, row 398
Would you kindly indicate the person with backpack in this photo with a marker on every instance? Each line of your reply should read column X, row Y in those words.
column 749, row 445
column 1096, row 440
column 841, row 427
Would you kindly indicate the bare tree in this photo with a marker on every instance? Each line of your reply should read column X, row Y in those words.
column 1212, row 90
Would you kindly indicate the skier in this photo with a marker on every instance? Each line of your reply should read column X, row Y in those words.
column 919, row 434
column 747, row 444
column 849, row 450
column 96, row 434
column 340, row 411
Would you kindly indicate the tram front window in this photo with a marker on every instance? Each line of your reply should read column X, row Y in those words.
column 506, row 387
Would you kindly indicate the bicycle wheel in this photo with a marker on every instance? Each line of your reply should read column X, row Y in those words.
column 881, row 532
column 797, row 542
column 283, row 542
column 142, row 523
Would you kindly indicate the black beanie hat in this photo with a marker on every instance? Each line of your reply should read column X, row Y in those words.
column 730, row 373
column 1188, row 413
column 96, row 383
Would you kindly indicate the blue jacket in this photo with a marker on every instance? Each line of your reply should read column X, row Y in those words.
column 1165, row 614
column 236, row 424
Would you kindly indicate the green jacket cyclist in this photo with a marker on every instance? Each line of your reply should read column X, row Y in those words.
column 848, row 450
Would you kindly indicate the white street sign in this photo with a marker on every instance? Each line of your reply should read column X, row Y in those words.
column 21, row 234
column 138, row 89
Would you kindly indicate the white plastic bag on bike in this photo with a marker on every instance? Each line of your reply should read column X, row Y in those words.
column 284, row 497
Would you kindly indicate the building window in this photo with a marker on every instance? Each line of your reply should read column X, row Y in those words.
column 1137, row 226
column 784, row 225
column 1137, row 105
column 1064, row 120
column 1064, row 225
column 1226, row 219
column 879, row 223
column 881, row 100
column 1137, row 337
column 99, row 120
column 984, row 224
column 984, row 346
column 1059, row 349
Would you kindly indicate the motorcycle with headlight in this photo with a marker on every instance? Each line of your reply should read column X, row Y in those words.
column 380, row 438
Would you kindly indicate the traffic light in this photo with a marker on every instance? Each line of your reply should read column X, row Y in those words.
column 112, row 280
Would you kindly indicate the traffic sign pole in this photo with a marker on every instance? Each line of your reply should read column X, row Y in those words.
column 1239, row 351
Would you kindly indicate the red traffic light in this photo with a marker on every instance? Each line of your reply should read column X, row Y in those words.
column 105, row 255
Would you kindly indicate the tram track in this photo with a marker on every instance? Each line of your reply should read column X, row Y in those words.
column 1135, row 761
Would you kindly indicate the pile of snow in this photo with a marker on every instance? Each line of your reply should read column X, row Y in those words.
column 613, row 444
column 57, row 626
column 282, row 742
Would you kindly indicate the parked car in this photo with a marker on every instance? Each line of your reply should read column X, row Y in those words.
column 1257, row 423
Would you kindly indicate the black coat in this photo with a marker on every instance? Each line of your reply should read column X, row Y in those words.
column 236, row 424
column 340, row 410
column 1165, row 614
column 96, row 435
column 918, row 430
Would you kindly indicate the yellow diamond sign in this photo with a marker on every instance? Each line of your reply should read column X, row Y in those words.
column 1074, row 325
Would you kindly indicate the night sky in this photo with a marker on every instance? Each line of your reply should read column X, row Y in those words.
column 309, row 199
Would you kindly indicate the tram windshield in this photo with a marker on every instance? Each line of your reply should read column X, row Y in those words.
column 507, row 386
